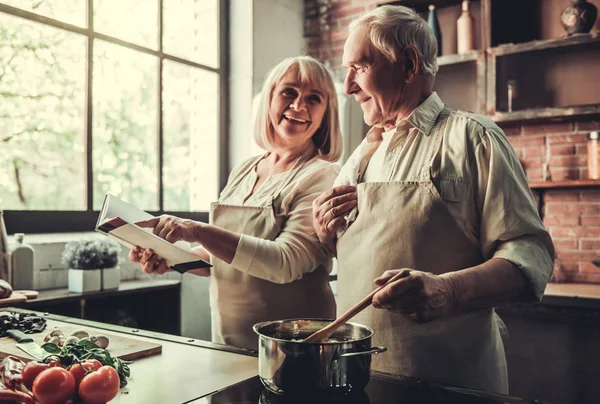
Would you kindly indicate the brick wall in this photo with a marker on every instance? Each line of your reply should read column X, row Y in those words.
column 572, row 216
column 326, row 27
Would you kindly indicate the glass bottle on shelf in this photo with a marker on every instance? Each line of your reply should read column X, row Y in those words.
column 433, row 22
column 512, row 95
column 465, row 30
column 593, row 159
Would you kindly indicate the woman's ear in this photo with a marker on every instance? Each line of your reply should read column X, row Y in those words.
column 412, row 60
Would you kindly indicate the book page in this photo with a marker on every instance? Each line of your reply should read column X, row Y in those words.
column 115, row 207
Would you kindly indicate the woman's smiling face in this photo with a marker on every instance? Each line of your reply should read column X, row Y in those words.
column 296, row 111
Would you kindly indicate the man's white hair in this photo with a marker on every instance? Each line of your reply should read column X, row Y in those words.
column 391, row 28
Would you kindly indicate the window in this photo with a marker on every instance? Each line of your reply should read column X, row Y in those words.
column 119, row 96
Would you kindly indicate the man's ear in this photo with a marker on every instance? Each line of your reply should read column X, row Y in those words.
column 413, row 63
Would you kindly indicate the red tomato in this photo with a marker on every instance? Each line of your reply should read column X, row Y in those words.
column 80, row 370
column 30, row 372
column 99, row 387
column 54, row 362
column 54, row 386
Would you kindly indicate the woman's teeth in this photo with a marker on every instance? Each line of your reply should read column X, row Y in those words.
column 291, row 118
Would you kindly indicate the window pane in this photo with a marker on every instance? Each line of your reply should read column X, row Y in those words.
column 42, row 117
column 130, row 20
column 125, row 157
column 191, row 30
column 69, row 11
column 190, row 138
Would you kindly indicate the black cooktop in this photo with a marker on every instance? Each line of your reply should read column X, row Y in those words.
column 382, row 389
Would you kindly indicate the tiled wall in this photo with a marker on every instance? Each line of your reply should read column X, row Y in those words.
column 572, row 216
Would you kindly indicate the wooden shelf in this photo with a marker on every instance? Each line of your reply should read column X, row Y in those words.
column 471, row 56
column 546, row 113
column 567, row 184
column 511, row 49
column 421, row 5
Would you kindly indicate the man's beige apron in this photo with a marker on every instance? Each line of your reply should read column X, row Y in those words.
column 404, row 224
column 238, row 300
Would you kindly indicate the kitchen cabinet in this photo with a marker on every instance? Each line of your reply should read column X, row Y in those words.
column 149, row 304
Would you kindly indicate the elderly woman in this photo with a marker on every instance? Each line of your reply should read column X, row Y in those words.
column 442, row 199
column 267, row 261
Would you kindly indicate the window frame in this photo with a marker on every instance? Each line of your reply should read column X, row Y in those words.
column 50, row 221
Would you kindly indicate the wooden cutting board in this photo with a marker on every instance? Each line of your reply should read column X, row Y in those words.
column 119, row 345
column 13, row 298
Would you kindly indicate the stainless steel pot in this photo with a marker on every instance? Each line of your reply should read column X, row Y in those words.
column 338, row 366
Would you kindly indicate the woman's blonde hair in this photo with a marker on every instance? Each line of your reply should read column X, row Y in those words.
column 327, row 139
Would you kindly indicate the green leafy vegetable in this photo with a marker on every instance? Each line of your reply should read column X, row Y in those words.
column 71, row 354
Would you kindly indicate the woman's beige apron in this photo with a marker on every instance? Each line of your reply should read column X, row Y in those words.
column 404, row 224
column 238, row 300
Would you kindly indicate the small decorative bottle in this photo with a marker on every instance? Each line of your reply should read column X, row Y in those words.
column 22, row 264
column 4, row 253
column 465, row 30
column 593, row 156
column 433, row 22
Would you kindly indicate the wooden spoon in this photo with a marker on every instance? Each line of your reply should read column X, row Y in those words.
column 326, row 331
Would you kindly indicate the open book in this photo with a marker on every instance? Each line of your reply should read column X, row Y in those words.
column 116, row 220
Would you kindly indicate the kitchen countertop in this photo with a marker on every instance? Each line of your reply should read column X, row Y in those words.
column 198, row 371
column 584, row 295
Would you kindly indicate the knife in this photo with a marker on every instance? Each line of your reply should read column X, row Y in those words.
column 27, row 344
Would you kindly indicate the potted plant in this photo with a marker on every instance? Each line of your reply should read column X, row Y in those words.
column 92, row 264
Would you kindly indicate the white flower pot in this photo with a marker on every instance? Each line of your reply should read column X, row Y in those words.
column 111, row 278
column 84, row 280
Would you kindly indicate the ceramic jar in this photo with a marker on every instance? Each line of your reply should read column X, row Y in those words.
column 579, row 17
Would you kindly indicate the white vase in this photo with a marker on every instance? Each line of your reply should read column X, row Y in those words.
column 84, row 280
column 111, row 278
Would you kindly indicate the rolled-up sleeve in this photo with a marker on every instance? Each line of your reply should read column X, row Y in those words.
column 296, row 250
column 511, row 227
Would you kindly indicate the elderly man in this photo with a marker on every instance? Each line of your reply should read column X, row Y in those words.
column 439, row 195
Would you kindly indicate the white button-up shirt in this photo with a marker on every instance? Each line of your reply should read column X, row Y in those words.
column 477, row 174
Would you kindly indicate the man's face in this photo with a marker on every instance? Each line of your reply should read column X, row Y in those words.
column 375, row 82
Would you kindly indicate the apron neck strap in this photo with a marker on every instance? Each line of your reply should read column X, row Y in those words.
column 242, row 174
column 298, row 164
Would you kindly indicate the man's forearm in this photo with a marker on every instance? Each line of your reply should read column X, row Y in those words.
column 496, row 282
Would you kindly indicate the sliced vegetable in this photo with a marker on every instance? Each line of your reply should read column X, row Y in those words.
column 12, row 372
column 54, row 386
column 100, row 386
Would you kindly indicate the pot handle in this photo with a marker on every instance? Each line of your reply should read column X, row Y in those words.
column 372, row 351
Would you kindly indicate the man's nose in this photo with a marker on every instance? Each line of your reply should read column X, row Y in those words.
column 350, row 86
